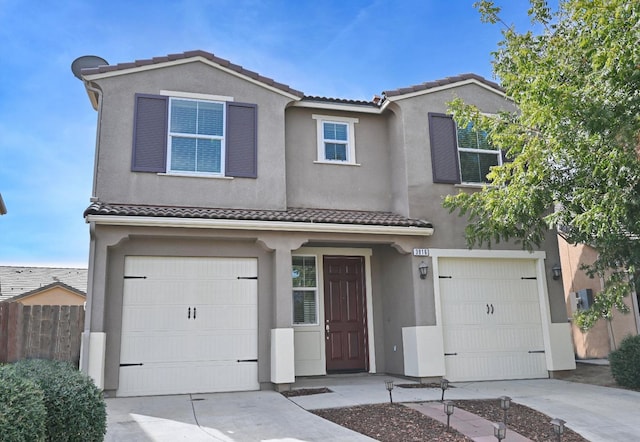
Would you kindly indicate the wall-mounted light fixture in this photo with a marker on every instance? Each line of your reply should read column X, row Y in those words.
column 556, row 272
column 423, row 269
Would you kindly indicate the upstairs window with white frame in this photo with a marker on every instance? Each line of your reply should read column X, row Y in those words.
column 196, row 136
column 305, row 290
column 477, row 155
column 460, row 155
column 336, row 139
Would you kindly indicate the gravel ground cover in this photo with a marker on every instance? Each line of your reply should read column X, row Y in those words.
column 397, row 423
column 390, row 423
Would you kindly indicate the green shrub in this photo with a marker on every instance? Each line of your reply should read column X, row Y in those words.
column 22, row 411
column 625, row 362
column 76, row 411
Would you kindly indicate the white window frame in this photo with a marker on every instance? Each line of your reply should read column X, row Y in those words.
column 170, row 135
column 496, row 152
column 305, row 289
column 351, row 138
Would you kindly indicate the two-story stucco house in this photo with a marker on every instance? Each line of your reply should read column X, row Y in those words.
column 243, row 234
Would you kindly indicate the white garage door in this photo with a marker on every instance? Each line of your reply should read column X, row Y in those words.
column 491, row 319
column 189, row 325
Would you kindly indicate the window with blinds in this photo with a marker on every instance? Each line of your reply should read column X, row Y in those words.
column 305, row 290
column 196, row 136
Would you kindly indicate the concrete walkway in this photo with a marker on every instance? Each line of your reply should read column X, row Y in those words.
column 472, row 426
column 597, row 413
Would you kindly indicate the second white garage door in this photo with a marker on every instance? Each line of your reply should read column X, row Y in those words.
column 491, row 319
column 189, row 325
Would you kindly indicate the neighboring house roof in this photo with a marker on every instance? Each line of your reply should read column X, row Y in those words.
column 47, row 287
column 299, row 215
column 191, row 54
column 18, row 280
column 448, row 81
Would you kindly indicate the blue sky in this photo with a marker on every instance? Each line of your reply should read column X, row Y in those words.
column 337, row 48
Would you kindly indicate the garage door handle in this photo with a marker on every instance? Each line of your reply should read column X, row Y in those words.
column 189, row 313
column 247, row 360
column 487, row 309
column 536, row 351
column 451, row 354
column 131, row 365
column 194, row 313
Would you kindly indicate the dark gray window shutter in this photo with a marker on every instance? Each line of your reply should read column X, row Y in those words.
column 444, row 149
column 150, row 133
column 503, row 154
column 242, row 140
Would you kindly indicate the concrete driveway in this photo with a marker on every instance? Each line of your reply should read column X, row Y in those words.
column 597, row 413
column 228, row 417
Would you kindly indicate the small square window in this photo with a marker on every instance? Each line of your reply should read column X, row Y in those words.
column 336, row 139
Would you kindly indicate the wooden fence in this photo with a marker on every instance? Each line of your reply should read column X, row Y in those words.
column 40, row 331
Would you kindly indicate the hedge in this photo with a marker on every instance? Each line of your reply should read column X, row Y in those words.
column 76, row 411
column 625, row 362
column 22, row 411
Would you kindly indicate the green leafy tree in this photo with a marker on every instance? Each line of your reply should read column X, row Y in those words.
column 574, row 143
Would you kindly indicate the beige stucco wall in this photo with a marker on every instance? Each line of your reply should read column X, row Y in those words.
column 53, row 296
column 604, row 336
column 113, row 244
column 365, row 186
column 394, row 173
column 425, row 198
column 117, row 184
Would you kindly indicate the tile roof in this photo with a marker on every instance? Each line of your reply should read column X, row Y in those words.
column 190, row 54
column 340, row 101
column 286, row 88
column 443, row 82
column 300, row 215
column 17, row 280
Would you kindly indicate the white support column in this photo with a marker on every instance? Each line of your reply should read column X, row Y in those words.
column 423, row 351
column 94, row 347
column 282, row 356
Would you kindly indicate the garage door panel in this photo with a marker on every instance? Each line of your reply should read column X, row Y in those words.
column 172, row 292
column 186, row 268
column 184, row 318
column 494, row 366
column 480, row 339
column 155, row 379
column 466, row 313
column 491, row 319
column 488, row 269
column 171, row 347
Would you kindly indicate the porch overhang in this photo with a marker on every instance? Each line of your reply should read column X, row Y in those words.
column 283, row 226
column 290, row 220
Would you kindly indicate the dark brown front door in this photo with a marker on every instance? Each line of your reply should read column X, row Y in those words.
column 345, row 314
